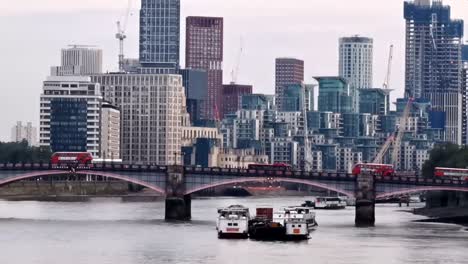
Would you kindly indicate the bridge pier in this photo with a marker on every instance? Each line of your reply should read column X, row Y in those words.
column 178, row 205
column 365, row 200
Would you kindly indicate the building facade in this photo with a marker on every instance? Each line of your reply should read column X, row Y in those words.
column 465, row 94
column 337, row 96
column 298, row 97
column 232, row 95
column 374, row 101
column 79, row 60
column 196, row 91
column 70, row 108
column 27, row 132
column 153, row 113
column 110, row 132
column 159, row 36
column 433, row 61
column 204, row 51
column 356, row 55
column 287, row 71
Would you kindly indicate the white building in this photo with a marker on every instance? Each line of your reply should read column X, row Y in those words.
column 347, row 158
column 70, row 114
column 284, row 150
column 356, row 55
column 153, row 113
column 79, row 60
column 110, row 132
column 294, row 120
column 191, row 134
column 240, row 158
column 26, row 132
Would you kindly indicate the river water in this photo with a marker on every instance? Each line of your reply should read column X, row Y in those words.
column 107, row 231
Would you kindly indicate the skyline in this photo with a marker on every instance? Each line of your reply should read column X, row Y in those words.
column 38, row 48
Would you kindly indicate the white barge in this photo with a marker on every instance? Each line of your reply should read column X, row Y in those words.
column 233, row 222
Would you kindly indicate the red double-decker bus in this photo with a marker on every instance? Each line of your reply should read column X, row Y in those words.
column 453, row 173
column 71, row 158
column 377, row 169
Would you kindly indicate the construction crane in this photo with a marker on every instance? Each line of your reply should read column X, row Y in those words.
column 396, row 138
column 236, row 69
column 308, row 165
column 401, row 132
column 121, row 36
column 379, row 158
column 386, row 84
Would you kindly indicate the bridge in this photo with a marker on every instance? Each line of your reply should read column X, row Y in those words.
column 177, row 183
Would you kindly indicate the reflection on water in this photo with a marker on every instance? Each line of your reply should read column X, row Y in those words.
column 108, row 231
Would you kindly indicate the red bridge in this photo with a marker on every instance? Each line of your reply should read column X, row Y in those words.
column 177, row 183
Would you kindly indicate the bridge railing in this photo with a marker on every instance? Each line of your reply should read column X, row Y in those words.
column 268, row 173
column 421, row 181
column 97, row 167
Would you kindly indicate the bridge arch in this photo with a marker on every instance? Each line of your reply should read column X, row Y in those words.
column 421, row 189
column 92, row 173
column 285, row 180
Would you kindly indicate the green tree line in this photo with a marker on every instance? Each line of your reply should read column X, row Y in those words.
column 20, row 152
column 446, row 155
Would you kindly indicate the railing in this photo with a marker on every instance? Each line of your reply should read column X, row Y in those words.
column 343, row 176
column 94, row 167
column 268, row 173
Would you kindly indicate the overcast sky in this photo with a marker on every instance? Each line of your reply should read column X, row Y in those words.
column 34, row 31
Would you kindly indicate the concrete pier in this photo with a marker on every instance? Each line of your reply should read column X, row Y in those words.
column 365, row 201
column 178, row 205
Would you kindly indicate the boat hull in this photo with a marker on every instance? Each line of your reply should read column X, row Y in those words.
column 222, row 235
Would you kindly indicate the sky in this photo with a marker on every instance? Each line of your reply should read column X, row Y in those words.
column 32, row 33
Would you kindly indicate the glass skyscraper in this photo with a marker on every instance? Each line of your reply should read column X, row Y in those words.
column 160, row 35
column 336, row 95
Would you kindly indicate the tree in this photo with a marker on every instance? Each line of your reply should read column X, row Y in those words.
column 20, row 152
column 447, row 155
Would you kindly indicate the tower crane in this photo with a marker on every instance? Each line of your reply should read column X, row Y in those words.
column 396, row 138
column 236, row 69
column 386, row 84
column 121, row 36
column 401, row 131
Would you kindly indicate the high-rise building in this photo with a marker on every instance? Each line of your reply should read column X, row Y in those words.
column 374, row 101
column 232, row 95
column 257, row 102
column 26, row 132
column 336, row 95
column 159, row 36
column 110, row 132
column 153, row 113
column 433, row 61
column 287, row 71
column 298, row 97
column 70, row 109
column 204, row 50
column 79, row 60
column 356, row 55
column 465, row 93
column 196, row 91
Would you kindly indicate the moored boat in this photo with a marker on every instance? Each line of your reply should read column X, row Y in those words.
column 331, row 203
column 233, row 222
column 262, row 227
column 299, row 221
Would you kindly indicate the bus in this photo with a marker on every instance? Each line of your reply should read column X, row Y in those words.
column 461, row 174
column 81, row 158
column 385, row 170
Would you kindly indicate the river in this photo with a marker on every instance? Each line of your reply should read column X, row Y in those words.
column 107, row 231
